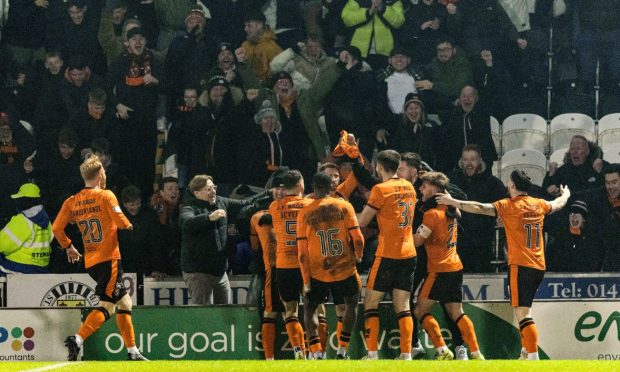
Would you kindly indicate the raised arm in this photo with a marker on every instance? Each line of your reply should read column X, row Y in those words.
column 559, row 202
column 366, row 216
column 474, row 207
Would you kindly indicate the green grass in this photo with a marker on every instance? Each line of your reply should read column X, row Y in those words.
column 326, row 365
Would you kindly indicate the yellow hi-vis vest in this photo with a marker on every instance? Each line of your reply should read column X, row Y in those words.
column 23, row 241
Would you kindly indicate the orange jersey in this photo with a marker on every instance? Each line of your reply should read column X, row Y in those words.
column 441, row 244
column 263, row 237
column 523, row 220
column 98, row 216
column 394, row 201
column 346, row 188
column 325, row 224
column 284, row 216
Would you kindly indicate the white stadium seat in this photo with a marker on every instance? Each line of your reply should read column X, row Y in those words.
column 533, row 162
column 611, row 152
column 558, row 156
column 496, row 133
column 609, row 129
column 524, row 131
column 564, row 127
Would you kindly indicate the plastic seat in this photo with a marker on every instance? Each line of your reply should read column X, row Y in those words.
column 533, row 162
column 496, row 133
column 558, row 156
column 609, row 129
column 524, row 131
column 564, row 127
column 611, row 153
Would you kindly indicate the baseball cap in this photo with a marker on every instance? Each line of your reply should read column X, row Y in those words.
column 197, row 10
column 134, row 31
column 215, row 81
column 27, row 190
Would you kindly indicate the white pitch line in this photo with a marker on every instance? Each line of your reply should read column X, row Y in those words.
column 53, row 366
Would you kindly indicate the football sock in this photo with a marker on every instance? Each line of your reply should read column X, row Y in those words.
column 93, row 321
column 529, row 335
column 344, row 340
column 78, row 340
column 415, row 342
column 405, row 325
column 434, row 332
column 296, row 338
column 338, row 327
column 125, row 325
column 314, row 343
column 372, row 329
column 299, row 329
column 268, row 331
column 468, row 332
column 323, row 332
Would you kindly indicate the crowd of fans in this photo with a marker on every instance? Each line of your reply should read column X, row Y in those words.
column 240, row 89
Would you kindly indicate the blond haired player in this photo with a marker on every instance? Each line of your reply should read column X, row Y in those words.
column 97, row 214
column 523, row 217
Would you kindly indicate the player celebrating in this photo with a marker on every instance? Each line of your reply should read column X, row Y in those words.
column 522, row 216
column 288, row 275
column 393, row 202
column 98, row 216
column 262, row 236
column 330, row 242
column 444, row 280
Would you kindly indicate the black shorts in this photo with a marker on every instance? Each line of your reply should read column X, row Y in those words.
column 443, row 287
column 271, row 298
column 319, row 291
column 388, row 273
column 109, row 278
column 290, row 284
column 523, row 283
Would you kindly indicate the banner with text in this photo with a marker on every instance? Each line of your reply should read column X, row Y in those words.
column 586, row 330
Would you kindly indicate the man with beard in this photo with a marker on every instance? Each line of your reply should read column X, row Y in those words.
column 477, row 234
column 135, row 80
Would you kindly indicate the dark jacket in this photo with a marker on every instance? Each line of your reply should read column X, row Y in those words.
column 484, row 188
column 606, row 221
column 577, row 178
column 203, row 247
column 136, row 245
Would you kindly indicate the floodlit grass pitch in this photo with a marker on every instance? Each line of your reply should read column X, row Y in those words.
column 320, row 365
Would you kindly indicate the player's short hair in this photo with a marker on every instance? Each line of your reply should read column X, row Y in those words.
column 611, row 168
column 472, row 147
column 437, row 179
column 89, row 170
column 522, row 181
column 325, row 166
column 412, row 159
column 131, row 194
column 291, row 179
column 97, row 96
column 163, row 181
column 389, row 160
column 321, row 183
column 199, row 182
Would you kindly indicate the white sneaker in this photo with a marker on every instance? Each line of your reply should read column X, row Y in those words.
column 522, row 355
column 460, row 353
column 299, row 354
column 418, row 352
column 367, row 357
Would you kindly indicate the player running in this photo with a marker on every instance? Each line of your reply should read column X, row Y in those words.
column 444, row 280
column 98, row 216
column 522, row 216
column 330, row 242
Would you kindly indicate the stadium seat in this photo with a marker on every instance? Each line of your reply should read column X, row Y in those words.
column 611, row 152
column 495, row 169
column 563, row 127
column 496, row 133
column 609, row 129
column 558, row 156
column 524, row 131
column 533, row 162
column 27, row 126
